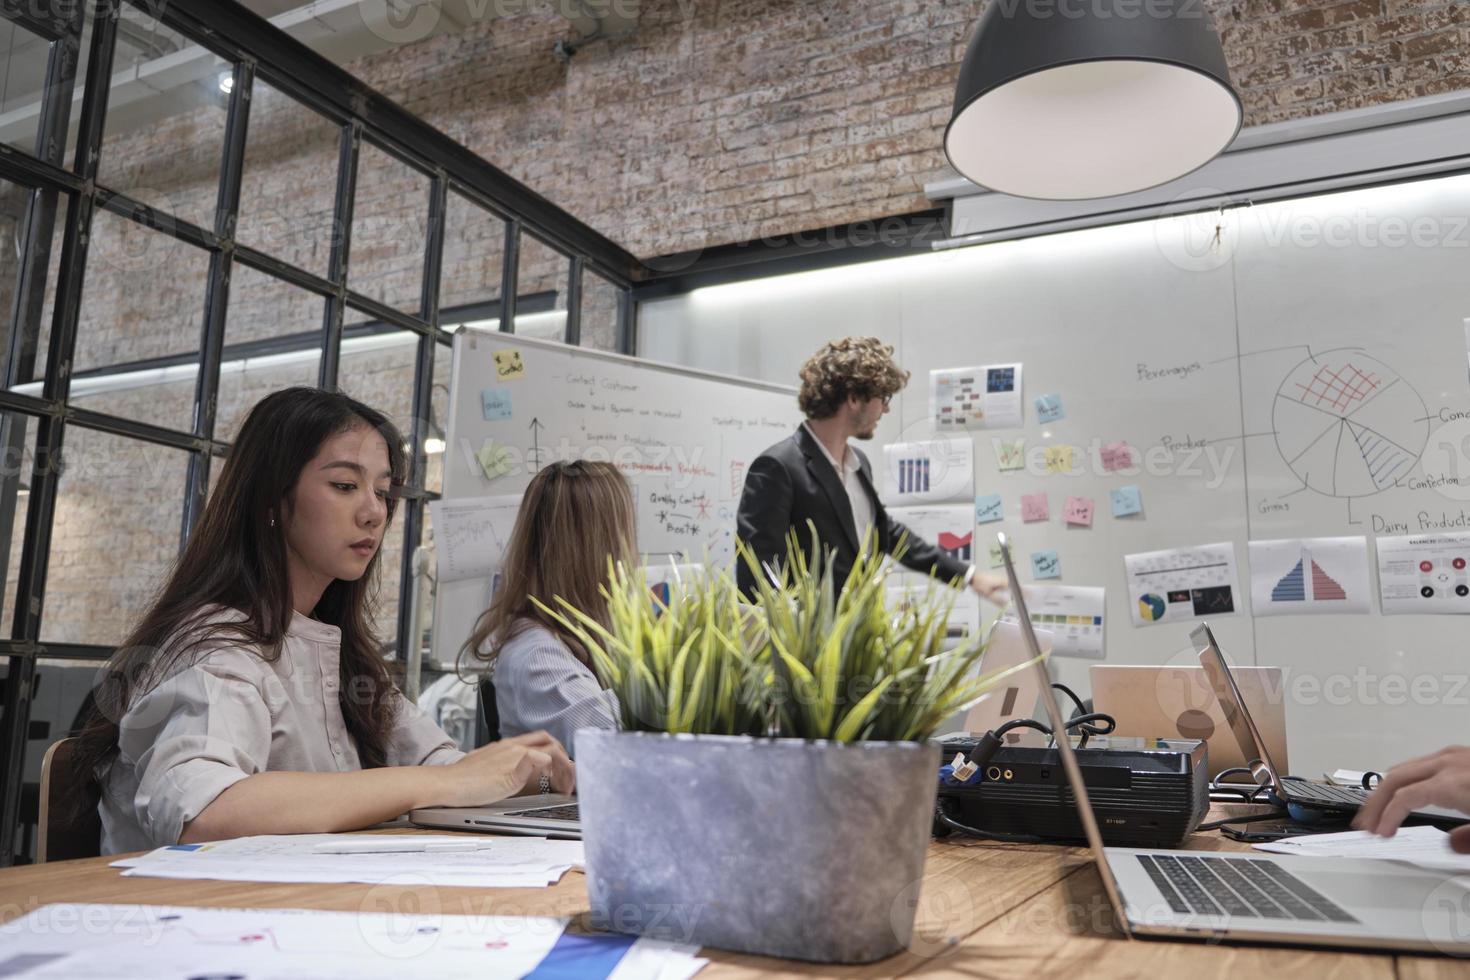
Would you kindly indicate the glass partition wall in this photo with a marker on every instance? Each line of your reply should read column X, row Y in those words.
column 198, row 211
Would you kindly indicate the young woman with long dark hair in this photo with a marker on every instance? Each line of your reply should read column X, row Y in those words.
column 251, row 698
column 573, row 517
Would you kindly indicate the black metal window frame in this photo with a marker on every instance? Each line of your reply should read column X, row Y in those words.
column 256, row 50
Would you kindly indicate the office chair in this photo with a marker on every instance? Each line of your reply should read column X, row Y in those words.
column 62, row 835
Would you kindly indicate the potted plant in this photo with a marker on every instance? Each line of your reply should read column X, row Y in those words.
column 773, row 787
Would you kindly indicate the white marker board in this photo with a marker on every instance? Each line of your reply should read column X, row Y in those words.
column 682, row 437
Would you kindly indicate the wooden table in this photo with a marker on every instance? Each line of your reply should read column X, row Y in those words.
column 986, row 910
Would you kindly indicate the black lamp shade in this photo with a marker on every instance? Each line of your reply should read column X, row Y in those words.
column 1073, row 99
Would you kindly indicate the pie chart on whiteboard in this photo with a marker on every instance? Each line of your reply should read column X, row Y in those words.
column 1348, row 425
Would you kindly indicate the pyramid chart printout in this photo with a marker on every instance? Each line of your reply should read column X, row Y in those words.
column 950, row 527
column 1424, row 573
column 1305, row 576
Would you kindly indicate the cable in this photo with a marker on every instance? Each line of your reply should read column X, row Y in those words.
column 954, row 824
column 1248, row 794
column 1254, row 818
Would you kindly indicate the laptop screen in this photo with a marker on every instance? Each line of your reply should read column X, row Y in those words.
column 1062, row 741
column 1252, row 745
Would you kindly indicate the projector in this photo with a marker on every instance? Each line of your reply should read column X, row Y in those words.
column 1145, row 792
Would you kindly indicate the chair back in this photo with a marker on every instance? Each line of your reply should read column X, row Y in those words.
column 62, row 835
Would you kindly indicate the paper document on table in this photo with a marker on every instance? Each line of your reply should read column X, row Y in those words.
column 168, row 941
column 1424, row 847
column 520, row 862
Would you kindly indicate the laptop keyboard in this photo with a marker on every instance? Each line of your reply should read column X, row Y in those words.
column 1299, row 790
column 564, row 811
column 1253, row 888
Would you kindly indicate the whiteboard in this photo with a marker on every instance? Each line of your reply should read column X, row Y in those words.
column 1179, row 342
column 682, row 437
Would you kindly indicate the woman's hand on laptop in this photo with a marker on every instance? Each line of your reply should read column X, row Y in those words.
column 507, row 767
column 1441, row 779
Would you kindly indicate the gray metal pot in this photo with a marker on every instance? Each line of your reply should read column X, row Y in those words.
column 780, row 847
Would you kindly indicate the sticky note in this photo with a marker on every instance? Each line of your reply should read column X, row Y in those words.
column 1010, row 455
column 1126, row 501
column 1034, row 507
column 1079, row 511
column 1117, row 456
column 508, row 364
column 996, row 558
column 1059, row 459
column 1045, row 564
column 495, row 404
column 1049, row 408
column 988, row 508
column 494, row 460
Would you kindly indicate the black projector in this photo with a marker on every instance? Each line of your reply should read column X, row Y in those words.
column 1146, row 792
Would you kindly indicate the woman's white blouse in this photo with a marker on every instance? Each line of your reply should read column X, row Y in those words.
column 228, row 713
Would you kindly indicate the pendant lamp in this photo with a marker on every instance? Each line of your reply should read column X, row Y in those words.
column 1074, row 99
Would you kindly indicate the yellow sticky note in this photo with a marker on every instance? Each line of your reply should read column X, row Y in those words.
column 494, row 460
column 1059, row 459
column 508, row 364
column 997, row 559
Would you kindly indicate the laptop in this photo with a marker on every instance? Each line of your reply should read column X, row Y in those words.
column 1005, row 648
column 1284, row 898
column 548, row 815
column 1176, row 701
column 1343, row 800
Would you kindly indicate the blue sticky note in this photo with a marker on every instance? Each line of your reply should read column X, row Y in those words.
column 1126, row 501
column 1045, row 564
column 1049, row 408
column 988, row 508
column 495, row 404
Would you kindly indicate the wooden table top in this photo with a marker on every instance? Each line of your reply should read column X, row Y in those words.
column 986, row 910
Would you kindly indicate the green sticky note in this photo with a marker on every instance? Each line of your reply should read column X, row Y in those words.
column 494, row 460
column 996, row 558
column 1010, row 455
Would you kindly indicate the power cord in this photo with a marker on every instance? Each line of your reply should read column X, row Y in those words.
column 1247, row 794
column 953, row 824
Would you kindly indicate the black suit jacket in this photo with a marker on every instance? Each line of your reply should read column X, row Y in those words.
column 793, row 483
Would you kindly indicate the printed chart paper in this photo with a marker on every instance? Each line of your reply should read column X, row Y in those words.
column 929, row 472
column 1181, row 583
column 1303, row 576
column 1072, row 613
column 987, row 397
column 470, row 535
column 1424, row 573
column 949, row 526
column 905, row 586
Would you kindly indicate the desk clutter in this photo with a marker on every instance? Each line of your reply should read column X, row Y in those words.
column 77, row 941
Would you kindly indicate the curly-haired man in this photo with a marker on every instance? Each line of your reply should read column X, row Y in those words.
column 816, row 480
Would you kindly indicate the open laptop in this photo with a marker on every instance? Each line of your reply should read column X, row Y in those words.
column 1257, row 750
column 549, row 815
column 1179, row 701
column 1212, row 895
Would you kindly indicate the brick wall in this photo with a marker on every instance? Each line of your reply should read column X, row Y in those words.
column 711, row 122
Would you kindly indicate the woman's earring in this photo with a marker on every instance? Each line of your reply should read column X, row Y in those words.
column 273, row 521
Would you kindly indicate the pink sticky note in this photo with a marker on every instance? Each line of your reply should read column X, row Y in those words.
column 1079, row 511
column 1117, row 456
column 1034, row 507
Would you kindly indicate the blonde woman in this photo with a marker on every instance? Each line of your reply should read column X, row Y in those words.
column 574, row 516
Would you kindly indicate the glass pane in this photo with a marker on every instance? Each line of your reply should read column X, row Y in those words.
column 469, row 281
column 541, row 291
column 138, row 334
column 599, row 312
column 390, row 216
column 24, row 56
column 162, row 139
column 17, row 460
column 378, row 371
column 389, row 574
column 289, row 184
column 15, row 201
column 272, row 341
column 119, row 508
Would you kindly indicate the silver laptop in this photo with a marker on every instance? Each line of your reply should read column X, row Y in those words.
column 549, row 815
column 1213, row 895
column 1180, row 701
